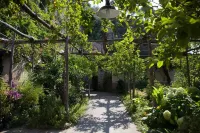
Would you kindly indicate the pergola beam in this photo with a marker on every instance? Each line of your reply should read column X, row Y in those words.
column 17, row 42
column 197, row 48
column 51, row 27
column 87, row 53
column 15, row 30
column 37, row 18
column 7, row 41
column 33, row 14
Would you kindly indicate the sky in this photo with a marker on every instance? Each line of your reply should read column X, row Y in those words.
column 103, row 3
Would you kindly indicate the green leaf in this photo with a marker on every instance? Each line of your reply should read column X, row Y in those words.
column 152, row 64
column 131, row 39
column 163, row 2
column 160, row 64
column 165, row 20
column 148, row 28
column 193, row 21
column 161, row 34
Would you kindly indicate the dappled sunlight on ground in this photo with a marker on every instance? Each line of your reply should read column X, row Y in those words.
column 105, row 114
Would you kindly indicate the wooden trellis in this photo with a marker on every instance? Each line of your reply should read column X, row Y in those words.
column 64, row 39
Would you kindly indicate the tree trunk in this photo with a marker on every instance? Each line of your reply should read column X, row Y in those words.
column 151, row 72
column 11, row 62
column 66, row 79
column 133, row 93
column 166, row 72
column 105, row 42
column 188, row 70
column 129, row 84
column 89, row 85
column 32, row 57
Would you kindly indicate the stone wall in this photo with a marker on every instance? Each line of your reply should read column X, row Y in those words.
column 17, row 68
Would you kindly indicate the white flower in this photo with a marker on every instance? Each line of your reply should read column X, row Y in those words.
column 180, row 91
column 180, row 121
column 167, row 114
column 170, row 95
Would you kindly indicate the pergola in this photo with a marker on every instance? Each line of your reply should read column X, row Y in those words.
column 64, row 39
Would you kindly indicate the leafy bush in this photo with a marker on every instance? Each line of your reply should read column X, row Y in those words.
column 197, row 84
column 137, row 108
column 5, row 107
column 157, row 95
column 179, row 79
column 33, row 106
column 51, row 112
column 77, row 111
column 75, row 96
column 45, row 110
column 174, row 109
column 28, row 106
column 141, row 84
column 194, row 93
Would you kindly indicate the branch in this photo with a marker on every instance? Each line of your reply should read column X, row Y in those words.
column 37, row 18
column 15, row 30
column 6, row 41
column 51, row 27
column 3, row 35
column 87, row 53
column 197, row 48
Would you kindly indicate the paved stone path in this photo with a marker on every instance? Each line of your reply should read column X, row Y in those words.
column 105, row 114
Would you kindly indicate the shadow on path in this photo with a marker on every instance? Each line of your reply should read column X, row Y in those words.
column 105, row 114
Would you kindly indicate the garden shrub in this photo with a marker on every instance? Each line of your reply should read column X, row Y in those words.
column 77, row 110
column 173, row 111
column 75, row 96
column 5, row 107
column 28, row 105
column 141, row 84
column 197, row 84
column 194, row 93
column 51, row 112
column 47, row 110
column 137, row 108
column 179, row 79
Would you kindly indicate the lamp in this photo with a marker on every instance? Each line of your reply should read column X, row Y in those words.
column 107, row 11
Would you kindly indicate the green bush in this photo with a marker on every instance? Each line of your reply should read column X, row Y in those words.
column 75, row 95
column 38, row 109
column 137, row 108
column 175, row 110
column 5, row 107
column 51, row 112
column 194, row 93
column 77, row 110
column 28, row 106
column 141, row 84
column 179, row 79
